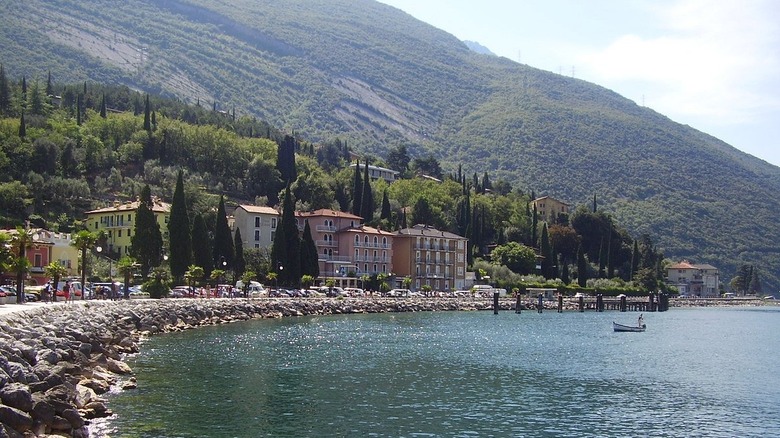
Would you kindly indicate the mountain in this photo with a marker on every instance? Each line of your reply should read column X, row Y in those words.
column 376, row 77
column 478, row 48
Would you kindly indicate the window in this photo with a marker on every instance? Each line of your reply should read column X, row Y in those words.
column 257, row 245
column 38, row 260
column 128, row 233
column 257, row 221
column 119, row 233
column 357, row 240
column 129, row 218
column 257, row 235
column 273, row 223
column 384, row 242
column 460, row 270
column 376, row 241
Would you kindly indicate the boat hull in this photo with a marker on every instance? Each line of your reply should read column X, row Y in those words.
column 627, row 328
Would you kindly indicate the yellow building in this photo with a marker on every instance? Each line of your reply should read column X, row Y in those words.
column 118, row 221
column 549, row 208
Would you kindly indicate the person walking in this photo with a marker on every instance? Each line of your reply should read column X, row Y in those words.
column 66, row 292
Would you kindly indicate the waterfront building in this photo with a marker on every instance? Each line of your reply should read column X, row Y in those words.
column 430, row 257
column 257, row 225
column 548, row 208
column 699, row 280
column 38, row 253
column 118, row 221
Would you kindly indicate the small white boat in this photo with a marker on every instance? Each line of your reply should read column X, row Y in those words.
column 628, row 328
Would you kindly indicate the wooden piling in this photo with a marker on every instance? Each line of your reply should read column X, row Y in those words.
column 560, row 303
column 540, row 304
column 581, row 303
column 599, row 303
column 495, row 303
column 623, row 303
column 518, row 304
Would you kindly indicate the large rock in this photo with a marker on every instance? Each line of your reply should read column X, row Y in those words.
column 16, row 419
column 17, row 396
column 118, row 367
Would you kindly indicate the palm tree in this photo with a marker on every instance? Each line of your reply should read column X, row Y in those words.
column 55, row 270
column 21, row 240
column 193, row 275
column 126, row 266
column 83, row 241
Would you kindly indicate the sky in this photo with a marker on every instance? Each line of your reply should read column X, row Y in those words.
column 710, row 64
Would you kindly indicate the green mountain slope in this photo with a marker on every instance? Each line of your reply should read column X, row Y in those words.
column 373, row 75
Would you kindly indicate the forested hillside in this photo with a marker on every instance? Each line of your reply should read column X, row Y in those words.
column 375, row 77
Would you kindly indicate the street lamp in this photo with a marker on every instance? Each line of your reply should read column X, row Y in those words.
column 99, row 250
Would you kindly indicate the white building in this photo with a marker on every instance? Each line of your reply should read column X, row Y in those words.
column 692, row 279
column 257, row 225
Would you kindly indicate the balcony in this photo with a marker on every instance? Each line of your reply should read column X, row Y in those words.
column 325, row 229
column 326, row 243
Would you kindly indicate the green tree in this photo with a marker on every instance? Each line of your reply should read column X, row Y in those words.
column 5, row 93
column 201, row 249
column 147, row 115
column 386, row 210
column 194, row 275
column 309, row 257
column 55, row 270
column 582, row 268
column 103, row 113
column 285, row 252
column 519, row 258
column 147, row 242
column 367, row 203
column 422, row 212
column 126, row 266
column 179, row 237
column 239, row 263
column 547, row 253
column 84, row 240
column 357, row 191
column 398, row 159
column 223, row 241
column 22, row 127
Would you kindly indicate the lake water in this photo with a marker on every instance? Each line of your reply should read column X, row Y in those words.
column 694, row 372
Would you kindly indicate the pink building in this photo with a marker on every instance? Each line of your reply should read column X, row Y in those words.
column 346, row 248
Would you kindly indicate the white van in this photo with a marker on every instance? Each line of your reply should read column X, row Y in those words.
column 254, row 290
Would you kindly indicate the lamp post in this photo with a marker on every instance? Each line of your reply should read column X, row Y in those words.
column 280, row 268
column 224, row 267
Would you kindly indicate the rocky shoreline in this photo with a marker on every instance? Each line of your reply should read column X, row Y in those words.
column 57, row 360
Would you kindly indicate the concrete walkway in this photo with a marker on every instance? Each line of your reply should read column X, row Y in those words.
column 8, row 308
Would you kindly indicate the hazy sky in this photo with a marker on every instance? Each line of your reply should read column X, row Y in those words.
column 710, row 64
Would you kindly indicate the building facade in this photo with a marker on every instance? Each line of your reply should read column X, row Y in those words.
column 118, row 221
column 257, row 225
column 700, row 280
column 369, row 251
column 376, row 172
column 325, row 225
column 38, row 253
column 430, row 257
column 548, row 208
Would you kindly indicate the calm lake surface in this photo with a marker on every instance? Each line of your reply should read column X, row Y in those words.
column 694, row 372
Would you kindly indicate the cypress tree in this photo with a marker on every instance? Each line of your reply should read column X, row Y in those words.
column 357, row 191
column 5, row 93
column 291, row 274
column 103, row 106
column 582, row 268
column 179, row 236
column 386, row 212
column 201, row 248
column 146, row 243
column 239, row 262
column 535, row 226
column 223, row 241
column 22, row 127
column 610, row 265
column 602, row 258
column 547, row 255
column 367, row 204
column 24, row 87
column 285, row 159
column 49, row 87
column 147, row 115
column 78, row 109
column 594, row 203
column 309, row 257
column 634, row 260
column 565, row 272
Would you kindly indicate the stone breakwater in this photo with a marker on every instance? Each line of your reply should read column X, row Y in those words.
column 56, row 361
